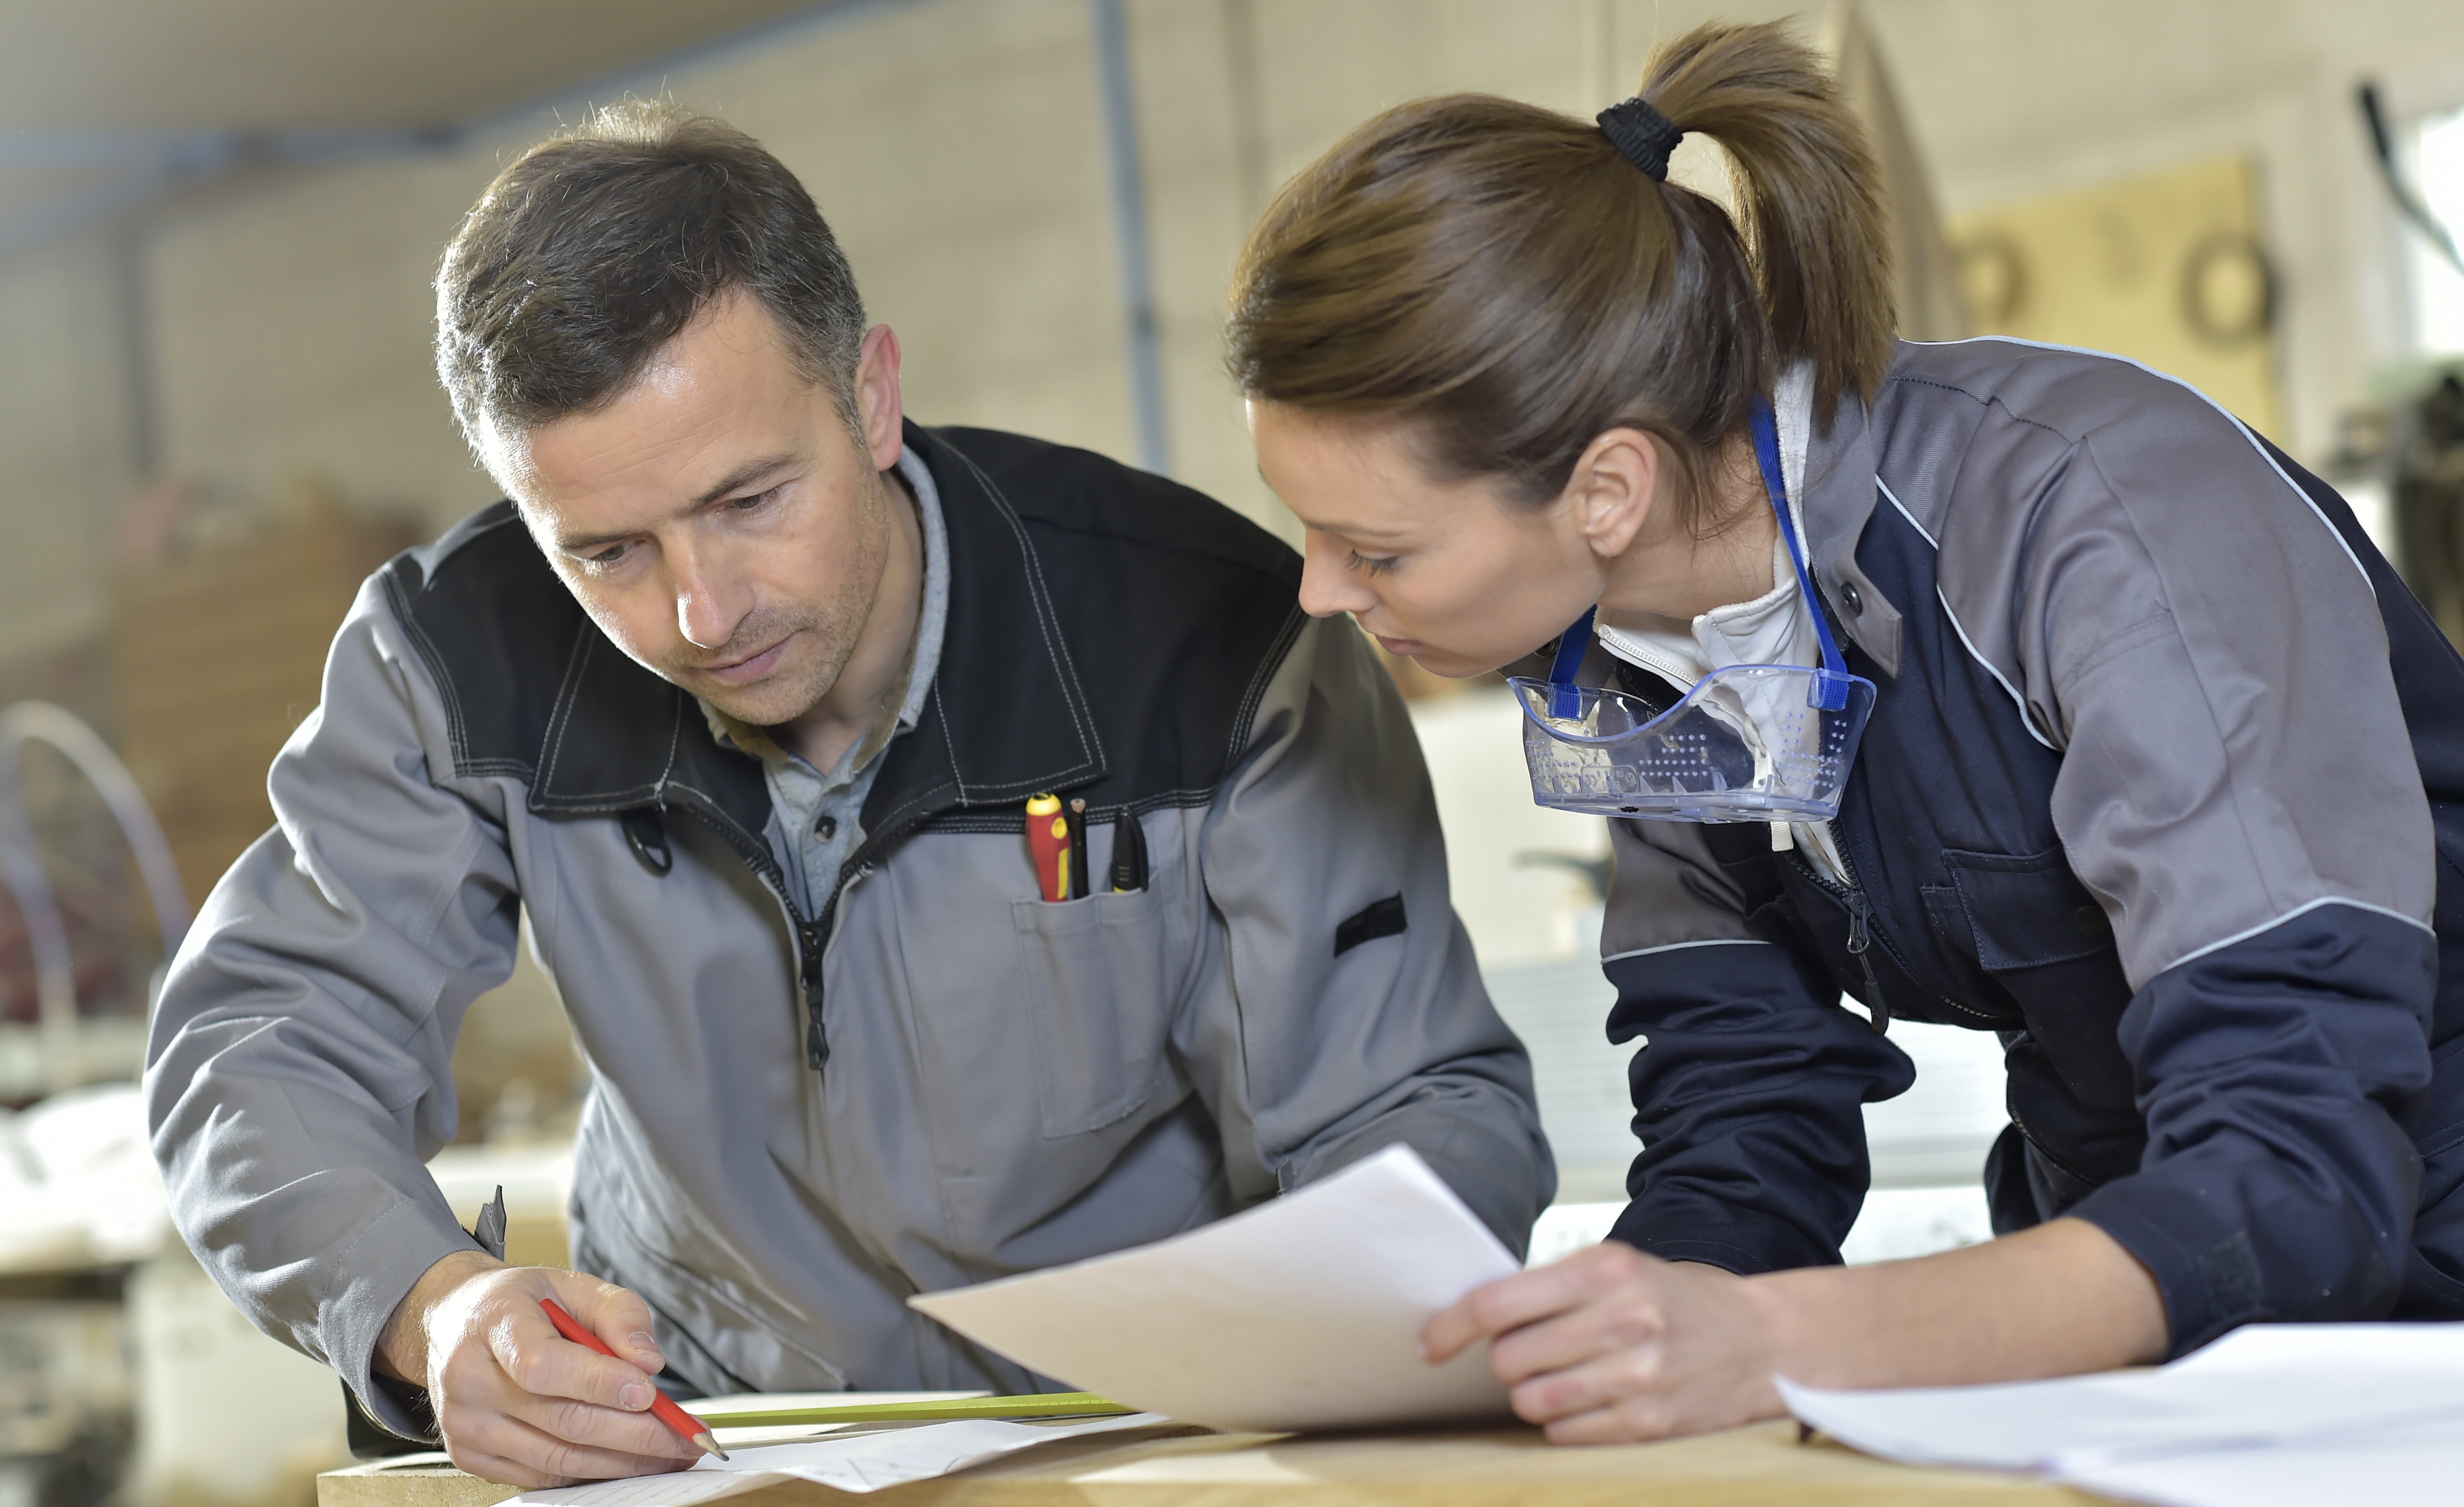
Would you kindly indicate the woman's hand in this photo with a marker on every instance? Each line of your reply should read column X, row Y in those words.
column 1613, row 1344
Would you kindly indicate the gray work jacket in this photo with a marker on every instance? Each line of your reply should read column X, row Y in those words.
column 935, row 1077
column 2164, row 784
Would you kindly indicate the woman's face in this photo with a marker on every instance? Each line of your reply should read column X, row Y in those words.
column 1450, row 575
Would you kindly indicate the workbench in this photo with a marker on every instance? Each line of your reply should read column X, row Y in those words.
column 1761, row 1466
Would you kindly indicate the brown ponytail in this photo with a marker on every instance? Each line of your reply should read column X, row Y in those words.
column 1502, row 281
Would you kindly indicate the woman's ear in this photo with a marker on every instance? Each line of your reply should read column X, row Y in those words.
column 1614, row 488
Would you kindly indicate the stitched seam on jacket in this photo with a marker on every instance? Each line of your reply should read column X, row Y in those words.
column 2239, row 427
column 2027, row 719
column 1087, row 739
column 1004, row 821
column 1268, row 666
column 2149, row 630
column 456, row 737
column 563, row 712
column 1996, row 400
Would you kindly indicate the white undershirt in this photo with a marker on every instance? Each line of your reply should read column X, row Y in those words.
column 1774, row 628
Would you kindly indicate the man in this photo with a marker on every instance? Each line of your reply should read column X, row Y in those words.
column 742, row 697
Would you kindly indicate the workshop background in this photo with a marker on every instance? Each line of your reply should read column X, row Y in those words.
column 217, row 412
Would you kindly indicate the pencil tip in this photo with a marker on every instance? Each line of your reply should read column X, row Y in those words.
column 709, row 1444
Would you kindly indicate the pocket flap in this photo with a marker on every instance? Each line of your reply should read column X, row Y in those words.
column 2027, row 911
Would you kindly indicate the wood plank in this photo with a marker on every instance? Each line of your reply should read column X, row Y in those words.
column 1761, row 1466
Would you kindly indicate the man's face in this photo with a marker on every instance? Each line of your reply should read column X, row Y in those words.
column 717, row 521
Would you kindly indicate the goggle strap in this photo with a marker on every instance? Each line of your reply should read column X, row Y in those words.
column 1565, row 699
column 1831, row 681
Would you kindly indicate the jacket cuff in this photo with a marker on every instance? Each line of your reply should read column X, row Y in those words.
column 373, row 1440
column 2210, row 1271
column 2208, row 1279
column 1748, row 1247
column 379, row 1270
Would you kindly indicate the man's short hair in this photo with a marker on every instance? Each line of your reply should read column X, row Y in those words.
column 600, row 245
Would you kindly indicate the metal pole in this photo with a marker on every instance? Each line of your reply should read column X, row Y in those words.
column 21, row 866
column 1130, row 236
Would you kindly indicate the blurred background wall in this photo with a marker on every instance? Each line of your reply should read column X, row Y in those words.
column 217, row 226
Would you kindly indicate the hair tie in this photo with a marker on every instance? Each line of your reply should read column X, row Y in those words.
column 1645, row 136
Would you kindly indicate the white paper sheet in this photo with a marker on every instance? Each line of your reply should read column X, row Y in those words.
column 2267, row 1401
column 2423, row 1464
column 863, row 1462
column 1303, row 1312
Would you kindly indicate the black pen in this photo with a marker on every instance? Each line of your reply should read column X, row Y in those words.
column 1129, row 852
column 1078, row 848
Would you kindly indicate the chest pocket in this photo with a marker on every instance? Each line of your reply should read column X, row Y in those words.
column 2044, row 939
column 1093, row 971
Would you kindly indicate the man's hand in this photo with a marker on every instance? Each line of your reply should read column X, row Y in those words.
column 516, row 1402
column 1613, row 1344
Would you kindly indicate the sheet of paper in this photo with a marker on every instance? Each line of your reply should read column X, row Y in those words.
column 2385, row 1468
column 848, row 1462
column 1302, row 1313
column 2262, row 1388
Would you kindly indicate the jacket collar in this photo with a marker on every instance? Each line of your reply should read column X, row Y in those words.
column 1841, row 489
column 1006, row 716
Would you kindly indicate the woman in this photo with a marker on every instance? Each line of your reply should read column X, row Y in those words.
column 2163, row 780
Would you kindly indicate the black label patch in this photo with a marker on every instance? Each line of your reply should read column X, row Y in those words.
column 2230, row 1269
column 1383, row 918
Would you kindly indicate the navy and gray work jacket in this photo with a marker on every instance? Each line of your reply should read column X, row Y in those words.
column 2165, row 785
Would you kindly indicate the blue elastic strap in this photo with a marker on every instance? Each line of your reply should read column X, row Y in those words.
column 1565, row 699
column 1831, row 681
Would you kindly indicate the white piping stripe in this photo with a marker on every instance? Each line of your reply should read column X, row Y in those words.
column 1671, row 947
column 2315, row 511
column 2017, row 700
column 1905, row 514
column 2298, row 910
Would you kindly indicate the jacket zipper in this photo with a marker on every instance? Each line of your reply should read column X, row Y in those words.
column 813, row 933
column 1860, row 933
column 1863, row 934
column 825, row 932
column 809, row 940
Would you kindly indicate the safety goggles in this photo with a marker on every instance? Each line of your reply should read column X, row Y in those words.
column 1748, row 743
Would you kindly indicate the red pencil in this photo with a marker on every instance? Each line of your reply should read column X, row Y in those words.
column 662, row 1406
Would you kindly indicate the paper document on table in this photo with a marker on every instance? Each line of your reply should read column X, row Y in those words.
column 2420, row 1464
column 2298, row 1395
column 861, row 1462
column 1303, row 1312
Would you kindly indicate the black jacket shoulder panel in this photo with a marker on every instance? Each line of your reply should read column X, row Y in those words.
column 1060, row 487
column 1109, row 633
column 533, row 691
column 1167, row 612
column 482, row 605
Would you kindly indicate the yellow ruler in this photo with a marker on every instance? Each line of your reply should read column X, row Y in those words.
column 1037, row 1405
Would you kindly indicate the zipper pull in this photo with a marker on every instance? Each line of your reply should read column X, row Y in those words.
column 817, row 1041
column 1860, row 941
column 812, row 942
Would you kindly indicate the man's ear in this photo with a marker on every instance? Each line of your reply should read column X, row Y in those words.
column 1614, row 490
column 877, row 397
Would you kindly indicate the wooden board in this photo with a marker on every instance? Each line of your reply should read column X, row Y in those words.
column 216, row 658
column 1762, row 1466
